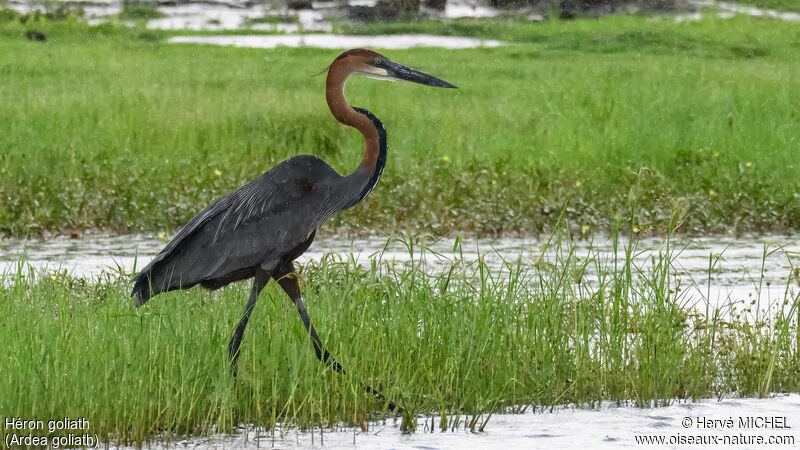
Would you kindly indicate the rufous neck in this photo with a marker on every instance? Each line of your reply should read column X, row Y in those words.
column 338, row 73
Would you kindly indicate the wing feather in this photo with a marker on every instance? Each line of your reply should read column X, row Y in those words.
column 254, row 225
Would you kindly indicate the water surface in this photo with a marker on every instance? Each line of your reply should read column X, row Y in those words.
column 605, row 427
column 238, row 14
column 742, row 268
column 393, row 41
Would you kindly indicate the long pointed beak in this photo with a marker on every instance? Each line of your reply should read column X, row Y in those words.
column 401, row 72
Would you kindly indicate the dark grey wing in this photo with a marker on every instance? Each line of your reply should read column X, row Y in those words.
column 255, row 225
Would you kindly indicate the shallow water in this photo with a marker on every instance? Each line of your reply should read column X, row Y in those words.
column 606, row 427
column 235, row 14
column 737, row 262
column 394, row 41
column 735, row 8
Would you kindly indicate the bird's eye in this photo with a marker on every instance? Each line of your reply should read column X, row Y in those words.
column 378, row 61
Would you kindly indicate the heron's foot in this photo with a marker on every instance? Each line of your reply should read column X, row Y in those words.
column 396, row 409
column 392, row 405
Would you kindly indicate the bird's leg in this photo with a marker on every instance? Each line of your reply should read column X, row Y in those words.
column 259, row 281
column 287, row 279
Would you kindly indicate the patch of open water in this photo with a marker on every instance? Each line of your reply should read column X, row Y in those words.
column 728, row 9
column 716, row 424
column 394, row 41
column 233, row 14
column 762, row 268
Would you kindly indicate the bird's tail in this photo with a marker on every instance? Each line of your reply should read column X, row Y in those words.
column 141, row 289
column 153, row 280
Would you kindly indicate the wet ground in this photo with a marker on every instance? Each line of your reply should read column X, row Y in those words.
column 725, row 424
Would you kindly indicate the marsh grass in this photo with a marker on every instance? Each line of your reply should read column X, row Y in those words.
column 109, row 127
column 132, row 10
column 460, row 341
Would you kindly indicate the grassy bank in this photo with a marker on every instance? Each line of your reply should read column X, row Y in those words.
column 109, row 127
column 457, row 341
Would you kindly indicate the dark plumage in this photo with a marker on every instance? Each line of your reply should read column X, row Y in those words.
column 257, row 225
column 257, row 230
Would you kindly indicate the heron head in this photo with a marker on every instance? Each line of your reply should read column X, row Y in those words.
column 374, row 65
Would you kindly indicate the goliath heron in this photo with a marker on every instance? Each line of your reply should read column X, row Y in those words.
column 258, row 230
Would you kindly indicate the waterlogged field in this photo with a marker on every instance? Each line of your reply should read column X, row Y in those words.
column 461, row 341
column 110, row 127
column 694, row 123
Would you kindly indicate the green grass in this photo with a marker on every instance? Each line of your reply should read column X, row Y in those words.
column 139, row 11
column 460, row 341
column 109, row 127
